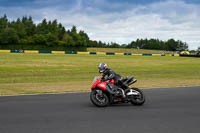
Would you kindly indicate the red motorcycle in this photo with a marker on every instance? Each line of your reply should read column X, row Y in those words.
column 103, row 92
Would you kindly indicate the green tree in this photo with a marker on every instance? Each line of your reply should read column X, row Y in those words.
column 182, row 46
column 20, row 28
column 74, row 35
column 9, row 36
column 61, row 31
column 42, row 28
column 39, row 39
column 3, row 23
column 172, row 45
column 51, row 39
column 114, row 45
column 198, row 51
column 30, row 27
column 68, row 40
column 84, row 39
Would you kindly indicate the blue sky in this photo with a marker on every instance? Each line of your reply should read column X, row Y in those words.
column 116, row 20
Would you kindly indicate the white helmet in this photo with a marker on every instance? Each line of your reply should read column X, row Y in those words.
column 102, row 67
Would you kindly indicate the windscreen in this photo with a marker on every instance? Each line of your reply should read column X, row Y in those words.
column 95, row 78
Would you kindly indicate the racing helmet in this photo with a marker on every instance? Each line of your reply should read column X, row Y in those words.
column 102, row 67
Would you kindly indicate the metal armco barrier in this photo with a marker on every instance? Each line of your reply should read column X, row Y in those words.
column 127, row 53
column 5, row 51
column 182, row 55
column 90, row 53
column 156, row 54
column 17, row 51
column 31, row 51
column 93, row 53
column 147, row 54
column 70, row 52
column 58, row 52
column 110, row 53
column 44, row 52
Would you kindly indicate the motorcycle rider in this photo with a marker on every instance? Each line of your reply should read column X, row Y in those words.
column 109, row 74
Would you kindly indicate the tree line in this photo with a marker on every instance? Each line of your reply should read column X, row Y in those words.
column 170, row 45
column 24, row 32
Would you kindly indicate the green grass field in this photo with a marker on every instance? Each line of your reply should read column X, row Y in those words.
column 49, row 73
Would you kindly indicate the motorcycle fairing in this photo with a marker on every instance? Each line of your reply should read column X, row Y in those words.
column 95, row 83
column 99, row 84
column 102, row 85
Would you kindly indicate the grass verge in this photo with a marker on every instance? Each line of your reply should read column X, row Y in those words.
column 48, row 73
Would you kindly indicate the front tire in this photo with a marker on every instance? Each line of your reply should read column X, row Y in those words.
column 99, row 98
column 138, row 99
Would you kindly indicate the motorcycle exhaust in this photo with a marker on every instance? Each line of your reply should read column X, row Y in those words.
column 132, row 92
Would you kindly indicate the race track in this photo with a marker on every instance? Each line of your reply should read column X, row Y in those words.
column 167, row 110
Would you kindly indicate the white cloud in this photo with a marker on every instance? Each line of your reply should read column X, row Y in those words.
column 163, row 20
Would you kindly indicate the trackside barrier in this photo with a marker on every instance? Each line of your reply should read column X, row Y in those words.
column 176, row 54
column 93, row 53
column 17, row 51
column 5, row 51
column 110, row 53
column 90, row 53
column 58, row 52
column 168, row 54
column 127, row 53
column 119, row 53
column 137, row 54
column 183, row 55
column 156, row 54
column 83, row 53
column 101, row 53
column 146, row 54
column 70, row 52
column 13, row 51
column 44, row 52
column 31, row 51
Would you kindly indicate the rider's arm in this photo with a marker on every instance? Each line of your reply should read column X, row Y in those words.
column 111, row 75
column 103, row 77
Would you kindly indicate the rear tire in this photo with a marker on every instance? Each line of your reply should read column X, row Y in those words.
column 138, row 100
column 99, row 100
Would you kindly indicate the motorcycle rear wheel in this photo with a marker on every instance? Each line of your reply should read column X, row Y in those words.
column 99, row 98
column 138, row 99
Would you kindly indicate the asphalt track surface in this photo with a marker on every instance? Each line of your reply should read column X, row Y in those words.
column 167, row 110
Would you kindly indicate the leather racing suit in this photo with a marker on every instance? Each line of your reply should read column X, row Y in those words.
column 109, row 74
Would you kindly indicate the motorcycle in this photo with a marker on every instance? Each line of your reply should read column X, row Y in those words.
column 104, row 93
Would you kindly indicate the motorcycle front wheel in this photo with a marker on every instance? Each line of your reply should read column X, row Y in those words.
column 99, row 98
column 138, row 99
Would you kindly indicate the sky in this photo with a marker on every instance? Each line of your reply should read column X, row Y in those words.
column 120, row 21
